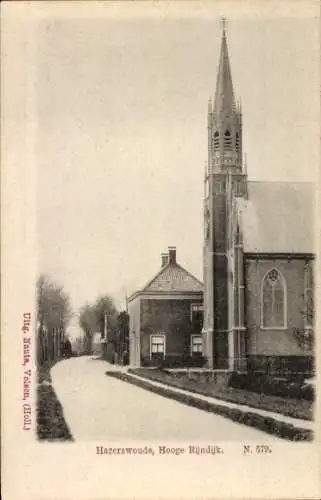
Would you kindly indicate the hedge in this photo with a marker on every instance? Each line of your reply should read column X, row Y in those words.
column 286, row 388
column 51, row 425
column 206, row 387
column 174, row 362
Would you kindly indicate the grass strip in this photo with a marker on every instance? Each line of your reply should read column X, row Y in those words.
column 51, row 424
column 269, row 425
column 300, row 409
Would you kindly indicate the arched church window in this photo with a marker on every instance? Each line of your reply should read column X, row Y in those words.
column 216, row 141
column 227, row 140
column 237, row 142
column 273, row 300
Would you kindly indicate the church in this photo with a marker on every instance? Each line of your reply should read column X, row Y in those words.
column 258, row 256
column 258, row 253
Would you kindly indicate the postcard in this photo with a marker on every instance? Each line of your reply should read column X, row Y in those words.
column 160, row 250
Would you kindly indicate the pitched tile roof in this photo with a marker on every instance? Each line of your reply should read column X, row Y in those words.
column 277, row 217
column 174, row 278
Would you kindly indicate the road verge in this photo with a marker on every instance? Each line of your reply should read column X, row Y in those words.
column 270, row 425
column 51, row 424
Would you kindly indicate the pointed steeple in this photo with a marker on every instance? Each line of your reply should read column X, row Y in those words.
column 224, row 96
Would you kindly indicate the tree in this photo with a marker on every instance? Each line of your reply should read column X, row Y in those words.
column 92, row 319
column 123, row 325
column 104, row 305
column 53, row 304
column 305, row 336
column 53, row 314
column 122, row 344
column 88, row 323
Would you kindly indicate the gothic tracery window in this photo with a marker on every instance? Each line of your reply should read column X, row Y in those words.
column 273, row 300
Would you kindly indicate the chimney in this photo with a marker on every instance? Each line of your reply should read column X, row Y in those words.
column 165, row 257
column 172, row 255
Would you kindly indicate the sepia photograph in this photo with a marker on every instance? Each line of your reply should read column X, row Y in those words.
column 175, row 198
column 162, row 169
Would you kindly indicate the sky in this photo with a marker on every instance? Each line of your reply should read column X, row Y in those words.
column 121, row 136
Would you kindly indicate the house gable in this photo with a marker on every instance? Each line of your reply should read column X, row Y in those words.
column 174, row 278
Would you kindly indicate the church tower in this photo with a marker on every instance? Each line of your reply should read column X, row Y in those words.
column 224, row 179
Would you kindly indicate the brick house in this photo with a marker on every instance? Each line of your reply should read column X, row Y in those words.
column 166, row 318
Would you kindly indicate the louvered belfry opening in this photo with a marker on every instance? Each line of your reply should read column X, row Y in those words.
column 237, row 142
column 216, row 141
column 227, row 141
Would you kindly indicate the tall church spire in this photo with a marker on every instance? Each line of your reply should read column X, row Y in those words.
column 224, row 119
column 224, row 181
column 224, row 95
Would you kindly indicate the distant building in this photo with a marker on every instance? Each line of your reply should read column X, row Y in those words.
column 166, row 317
column 96, row 344
column 78, row 345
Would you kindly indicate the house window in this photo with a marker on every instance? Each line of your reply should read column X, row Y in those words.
column 273, row 300
column 157, row 346
column 197, row 317
column 196, row 345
